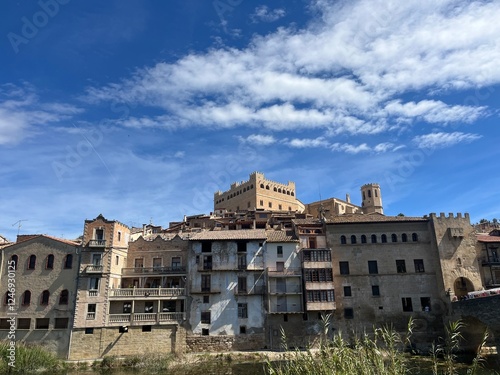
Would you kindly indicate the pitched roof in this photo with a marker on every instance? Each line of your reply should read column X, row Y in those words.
column 281, row 236
column 228, row 235
column 27, row 237
column 308, row 221
column 371, row 218
column 487, row 238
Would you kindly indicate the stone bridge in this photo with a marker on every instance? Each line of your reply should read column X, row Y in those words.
column 477, row 314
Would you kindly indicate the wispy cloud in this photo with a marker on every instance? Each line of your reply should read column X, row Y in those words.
column 441, row 139
column 258, row 139
column 264, row 14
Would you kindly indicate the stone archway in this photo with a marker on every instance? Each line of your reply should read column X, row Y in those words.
column 462, row 286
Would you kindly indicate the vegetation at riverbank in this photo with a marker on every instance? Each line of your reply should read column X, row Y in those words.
column 28, row 359
column 379, row 353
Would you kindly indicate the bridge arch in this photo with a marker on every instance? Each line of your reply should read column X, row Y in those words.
column 462, row 286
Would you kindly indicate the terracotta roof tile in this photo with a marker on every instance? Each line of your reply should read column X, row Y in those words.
column 487, row 238
column 228, row 235
column 281, row 236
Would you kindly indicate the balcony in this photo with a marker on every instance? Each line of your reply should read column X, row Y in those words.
column 278, row 272
column 257, row 289
column 127, row 293
column 285, row 289
column 97, row 243
column 94, row 269
column 146, row 318
column 285, row 308
column 93, row 292
column 137, row 271
column 320, row 306
column 91, row 316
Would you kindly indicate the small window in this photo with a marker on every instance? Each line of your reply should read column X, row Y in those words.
column 127, row 307
column 425, row 303
column 279, row 252
column 68, row 261
column 404, row 237
column 243, row 330
column 394, row 237
column 374, row 238
column 24, row 323
column 26, row 298
column 45, row 297
column 205, row 317
column 407, row 305
column 89, row 331
column 400, row 266
column 285, row 318
column 117, row 260
column 419, row 265
column 383, row 238
column 42, row 323
column 353, row 239
column 146, row 328
column 363, row 238
column 375, row 291
column 205, row 332
column 176, row 262
column 344, row 268
column 369, row 193
column 347, row 291
column 261, row 203
column 15, row 259
column 349, row 313
column 64, row 297
column 343, row 240
column 4, row 324
column 32, row 262
column 206, row 299
column 61, row 323
column 414, row 237
column 242, row 310
column 242, row 284
column 270, row 204
column 279, row 207
column 372, row 267
column 119, row 236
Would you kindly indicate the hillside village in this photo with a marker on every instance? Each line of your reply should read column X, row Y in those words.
column 233, row 279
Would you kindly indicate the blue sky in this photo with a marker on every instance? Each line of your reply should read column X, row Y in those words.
column 140, row 110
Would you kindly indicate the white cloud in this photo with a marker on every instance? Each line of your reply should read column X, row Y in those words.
column 441, row 139
column 259, row 139
column 350, row 149
column 262, row 13
column 345, row 72
column 307, row 142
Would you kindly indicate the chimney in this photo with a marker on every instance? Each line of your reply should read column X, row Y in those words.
column 348, row 198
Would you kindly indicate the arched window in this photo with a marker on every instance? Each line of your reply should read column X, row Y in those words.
column 262, row 186
column 279, row 190
column 68, row 261
column 394, row 237
column 369, row 193
column 32, row 262
column 251, row 186
column 343, row 240
column 267, row 187
column 353, row 239
column 404, row 237
column 414, row 237
column 292, row 194
column 374, row 238
column 45, row 298
column 50, row 262
column 384, row 238
column 275, row 189
column 287, row 192
column 364, row 195
column 376, row 195
column 363, row 238
column 14, row 258
column 63, row 297
column 26, row 298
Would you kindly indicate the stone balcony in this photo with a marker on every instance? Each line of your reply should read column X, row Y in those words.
column 141, row 293
column 146, row 318
column 96, row 243
column 149, row 271
column 94, row 269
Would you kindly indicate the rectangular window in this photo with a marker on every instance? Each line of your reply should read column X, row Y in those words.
column 24, row 323
column 407, row 305
column 176, row 262
column 61, row 323
column 117, row 260
column 205, row 283
column 4, row 324
column 119, row 236
column 261, row 203
column 206, row 247
column 127, row 307
column 242, row 261
column 96, row 259
column 138, row 262
column 425, row 303
column 344, row 268
column 89, row 331
column 157, row 264
column 372, row 267
column 242, row 284
column 348, row 313
column 242, row 310
column 146, row 328
column 148, row 306
column 207, row 262
column 347, row 291
column 400, row 266
column 243, row 330
column 206, row 299
column 375, row 291
column 42, row 323
column 91, row 310
column 270, row 204
column 205, row 317
column 241, row 247
column 94, row 283
column 279, row 251
column 419, row 265
column 204, row 332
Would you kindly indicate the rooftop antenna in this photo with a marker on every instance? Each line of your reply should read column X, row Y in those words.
column 19, row 225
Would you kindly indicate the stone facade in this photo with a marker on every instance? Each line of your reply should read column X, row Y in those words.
column 45, row 291
column 258, row 193
column 222, row 343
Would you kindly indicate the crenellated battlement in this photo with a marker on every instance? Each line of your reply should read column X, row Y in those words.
column 451, row 215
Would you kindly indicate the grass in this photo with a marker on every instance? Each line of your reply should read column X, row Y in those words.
column 29, row 358
column 379, row 353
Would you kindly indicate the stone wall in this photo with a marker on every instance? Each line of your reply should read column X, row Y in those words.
column 222, row 343
column 109, row 341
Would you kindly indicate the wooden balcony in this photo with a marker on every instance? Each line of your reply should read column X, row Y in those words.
column 146, row 318
column 141, row 293
column 149, row 271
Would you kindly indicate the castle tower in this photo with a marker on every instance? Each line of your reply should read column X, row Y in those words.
column 371, row 199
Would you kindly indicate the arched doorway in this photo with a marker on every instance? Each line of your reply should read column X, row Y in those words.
column 462, row 286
